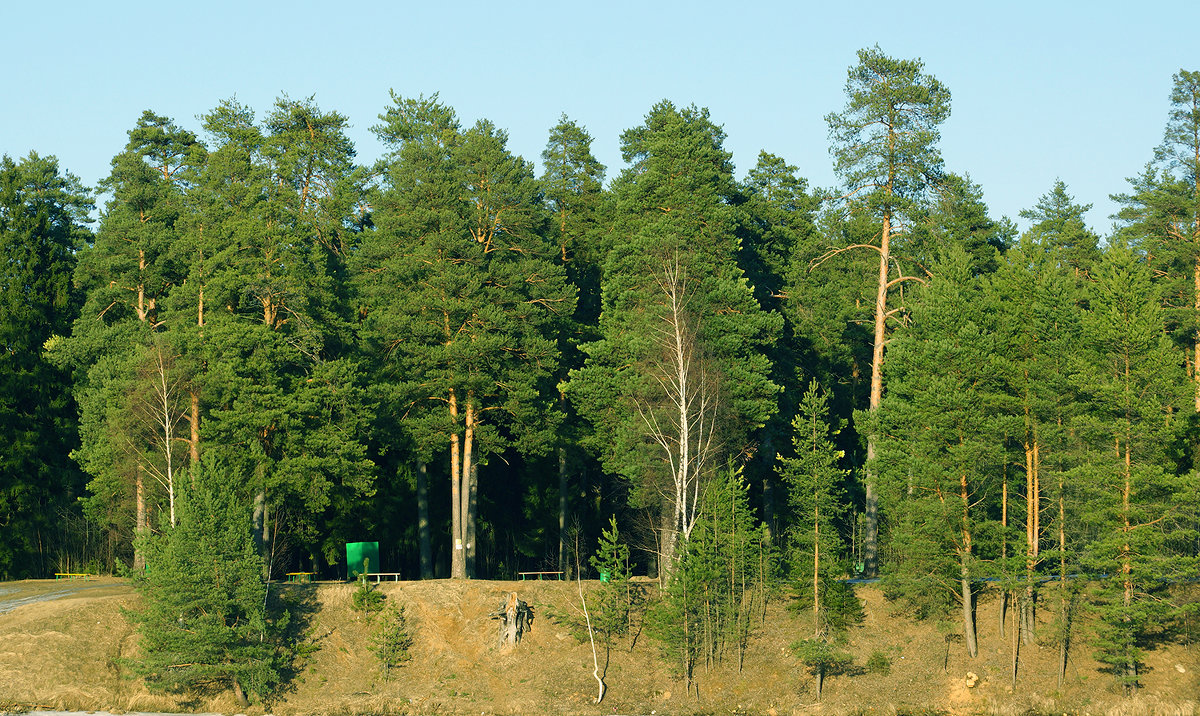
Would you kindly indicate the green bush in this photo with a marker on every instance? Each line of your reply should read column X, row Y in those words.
column 367, row 598
column 392, row 641
column 879, row 663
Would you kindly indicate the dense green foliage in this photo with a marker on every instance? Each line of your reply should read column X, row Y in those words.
column 266, row 350
column 205, row 624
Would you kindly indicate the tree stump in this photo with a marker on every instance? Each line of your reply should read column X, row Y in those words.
column 516, row 618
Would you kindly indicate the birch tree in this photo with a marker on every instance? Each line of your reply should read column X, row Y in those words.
column 679, row 378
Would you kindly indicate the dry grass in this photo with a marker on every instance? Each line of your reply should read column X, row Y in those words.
column 65, row 654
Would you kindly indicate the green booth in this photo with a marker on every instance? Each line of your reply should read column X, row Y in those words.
column 361, row 558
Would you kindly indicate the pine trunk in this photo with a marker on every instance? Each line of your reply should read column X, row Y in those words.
column 139, row 557
column 458, row 562
column 965, row 562
column 423, row 521
column 562, row 508
column 470, row 478
column 871, row 532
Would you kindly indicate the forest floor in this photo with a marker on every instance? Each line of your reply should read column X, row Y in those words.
column 62, row 646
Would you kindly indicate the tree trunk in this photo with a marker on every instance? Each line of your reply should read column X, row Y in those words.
column 968, row 611
column 239, row 694
column 768, row 491
column 1127, row 567
column 458, row 562
column 1033, row 529
column 562, row 507
column 1064, row 644
column 1016, row 647
column 871, row 532
column 470, row 477
column 139, row 557
column 423, row 520
column 965, row 561
column 1003, row 610
column 194, row 441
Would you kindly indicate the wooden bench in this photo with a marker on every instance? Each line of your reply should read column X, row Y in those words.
column 72, row 575
column 540, row 575
column 377, row 575
column 299, row 577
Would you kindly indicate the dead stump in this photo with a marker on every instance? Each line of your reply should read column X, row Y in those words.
column 516, row 618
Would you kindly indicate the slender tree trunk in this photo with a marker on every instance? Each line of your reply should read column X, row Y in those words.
column 194, row 394
column 768, row 491
column 562, row 507
column 423, row 521
column 817, row 573
column 470, row 485
column 1196, row 344
column 194, row 437
column 458, row 562
column 967, row 597
column 259, row 515
column 1033, row 500
column 139, row 557
column 1016, row 649
column 1127, row 566
column 871, row 535
column 1064, row 645
column 1003, row 611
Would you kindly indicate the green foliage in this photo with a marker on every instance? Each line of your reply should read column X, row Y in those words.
column 42, row 212
column 940, row 455
column 1060, row 228
column 707, row 608
column 614, row 597
column 1132, row 384
column 391, row 640
column 822, row 658
column 816, row 552
column 367, row 598
column 205, row 623
column 879, row 663
column 679, row 376
column 885, row 141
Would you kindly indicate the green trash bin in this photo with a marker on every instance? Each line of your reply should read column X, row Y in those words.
column 605, row 576
column 361, row 557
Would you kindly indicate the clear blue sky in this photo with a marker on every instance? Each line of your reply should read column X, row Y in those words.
column 1041, row 90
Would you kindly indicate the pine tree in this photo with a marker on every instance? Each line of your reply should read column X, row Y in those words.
column 43, row 212
column 1130, row 381
column 465, row 297
column 884, row 146
column 939, row 457
column 205, row 621
column 679, row 377
column 817, row 552
column 1033, row 309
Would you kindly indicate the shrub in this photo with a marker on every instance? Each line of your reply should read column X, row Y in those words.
column 391, row 641
column 879, row 663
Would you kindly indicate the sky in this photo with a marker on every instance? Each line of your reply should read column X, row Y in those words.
column 1041, row 90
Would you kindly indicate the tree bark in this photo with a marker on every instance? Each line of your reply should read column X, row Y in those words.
column 139, row 557
column 470, row 477
column 1033, row 531
column 965, row 561
column 562, row 508
column 423, row 521
column 458, row 562
column 871, row 531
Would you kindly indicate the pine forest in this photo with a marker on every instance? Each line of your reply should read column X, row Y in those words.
column 266, row 349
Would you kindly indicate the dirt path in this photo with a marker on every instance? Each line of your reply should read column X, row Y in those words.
column 32, row 591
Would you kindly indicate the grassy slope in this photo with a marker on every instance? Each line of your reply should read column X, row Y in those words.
column 65, row 653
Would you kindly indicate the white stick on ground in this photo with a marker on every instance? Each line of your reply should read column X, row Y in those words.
column 601, row 688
